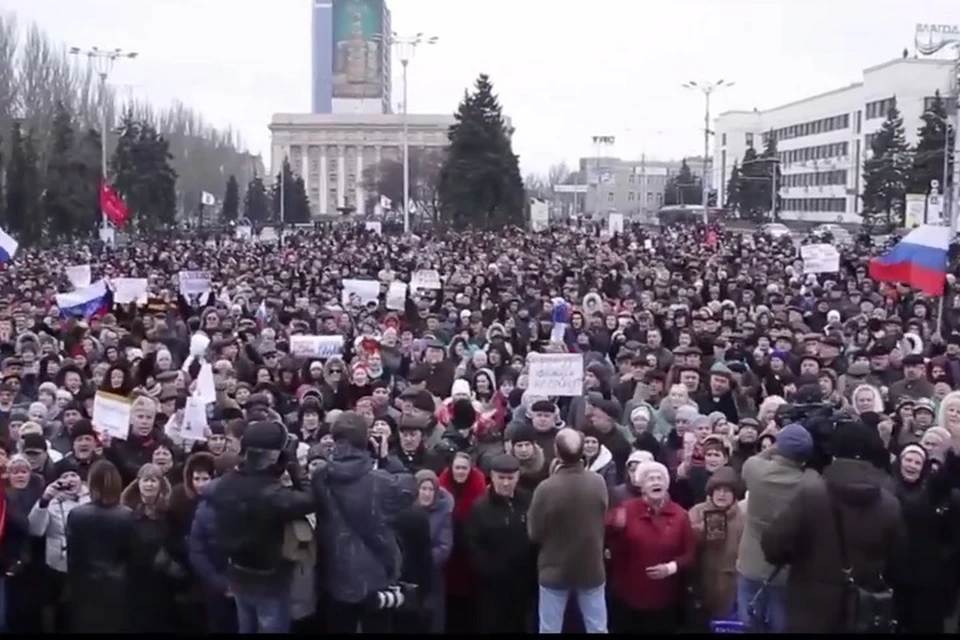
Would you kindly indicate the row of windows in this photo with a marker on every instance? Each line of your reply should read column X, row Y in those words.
column 880, row 108
column 835, row 205
column 637, row 197
column 823, row 125
column 819, row 152
column 817, row 179
column 949, row 103
column 650, row 178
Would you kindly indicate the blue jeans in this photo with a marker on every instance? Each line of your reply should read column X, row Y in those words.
column 592, row 603
column 263, row 614
column 771, row 606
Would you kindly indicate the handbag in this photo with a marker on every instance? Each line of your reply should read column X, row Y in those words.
column 864, row 610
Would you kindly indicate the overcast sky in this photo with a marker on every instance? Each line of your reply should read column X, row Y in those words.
column 565, row 71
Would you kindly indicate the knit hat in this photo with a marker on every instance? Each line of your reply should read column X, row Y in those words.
column 462, row 414
column 795, row 442
column 460, row 388
column 639, row 457
column 523, row 432
column 723, row 477
column 687, row 413
column 426, row 475
column 610, row 407
column 856, row 441
column 643, row 411
column 424, row 402
column 80, row 428
column 914, row 448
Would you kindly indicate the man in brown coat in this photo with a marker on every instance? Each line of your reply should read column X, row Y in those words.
column 566, row 518
column 806, row 535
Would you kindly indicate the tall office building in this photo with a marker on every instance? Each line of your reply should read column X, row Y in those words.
column 351, row 57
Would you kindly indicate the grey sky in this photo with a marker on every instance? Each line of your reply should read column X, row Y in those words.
column 564, row 71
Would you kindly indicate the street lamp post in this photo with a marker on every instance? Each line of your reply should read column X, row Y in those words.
column 406, row 45
column 102, row 61
column 707, row 88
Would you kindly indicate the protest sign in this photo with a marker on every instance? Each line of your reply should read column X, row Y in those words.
column 364, row 290
column 556, row 374
column 194, row 419
column 302, row 346
column 820, row 258
column 127, row 290
column 79, row 276
column 425, row 279
column 111, row 415
column 194, row 282
column 397, row 296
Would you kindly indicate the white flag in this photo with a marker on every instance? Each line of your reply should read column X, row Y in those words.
column 207, row 199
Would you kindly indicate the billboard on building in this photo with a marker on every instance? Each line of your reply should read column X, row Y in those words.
column 358, row 48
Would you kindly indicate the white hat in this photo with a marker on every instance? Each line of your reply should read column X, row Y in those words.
column 645, row 468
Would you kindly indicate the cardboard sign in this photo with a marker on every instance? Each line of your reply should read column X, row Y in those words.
column 556, row 374
column 397, row 296
column 426, row 279
column 365, row 291
column 79, row 276
column 111, row 415
column 127, row 290
column 194, row 282
column 820, row 258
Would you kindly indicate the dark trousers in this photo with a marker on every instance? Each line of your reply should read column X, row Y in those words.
column 57, row 615
column 505, row 613
column 221, row 613
column 345, row 617
column 461, row 613
column 921, row 610
column 625, row 619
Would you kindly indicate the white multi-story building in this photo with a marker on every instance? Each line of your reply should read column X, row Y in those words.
column 822, row 141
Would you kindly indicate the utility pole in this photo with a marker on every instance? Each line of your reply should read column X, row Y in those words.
column 102, row 61
column 707, row 88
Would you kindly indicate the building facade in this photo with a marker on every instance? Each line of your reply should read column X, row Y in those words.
column 351, row 57
column 823, row 140
column 331, row 151
column 631, row 187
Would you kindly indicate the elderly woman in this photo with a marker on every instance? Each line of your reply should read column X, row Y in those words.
column 650, row 541
column 866, row 398
column 948, row 415
column 438, row 504
column 22, row 586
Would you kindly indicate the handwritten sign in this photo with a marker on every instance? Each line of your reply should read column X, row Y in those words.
column 820, row 258
column 363, row 291
column 127, row 290
column 111, row 415
column 397, row 296
column 315, row 346
column 194, row 282
column 425, row 279
column 556, row 374
column 79, row 276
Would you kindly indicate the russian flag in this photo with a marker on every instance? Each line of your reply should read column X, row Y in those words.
column 919, row 259
column 85, row 303
column 8, row 247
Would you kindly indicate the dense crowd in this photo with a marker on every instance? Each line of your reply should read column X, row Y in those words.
column 753, row 447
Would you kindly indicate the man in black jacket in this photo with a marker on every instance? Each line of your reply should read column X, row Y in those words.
column 252, row 510
column 502, row 555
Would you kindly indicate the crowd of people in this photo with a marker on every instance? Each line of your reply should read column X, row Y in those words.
column 753, row 448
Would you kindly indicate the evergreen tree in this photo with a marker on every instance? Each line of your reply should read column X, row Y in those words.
column 66, row 207
column 480, row 182
column 231, row 199
column 296, row 206
column 143, row 174
column 927, row 162
column 256, row 202
column 750, row 194
column 770, row 168
column 683, row 188
column 732, row 204
column 23, row 187
column 885, row 173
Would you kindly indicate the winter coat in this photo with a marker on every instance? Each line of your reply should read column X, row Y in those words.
column 717, row 556
column 207, row 557
column 647, row 539
column 50, row 523
column 804, row 535
column 459, row 577
column 771, row 480
column 503, row 557
column 603, row 464
column 102, row 551
column 534, row 470
column 440, row 514
column 356, row 534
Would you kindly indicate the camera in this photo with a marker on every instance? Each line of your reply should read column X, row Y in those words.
column 821, row 420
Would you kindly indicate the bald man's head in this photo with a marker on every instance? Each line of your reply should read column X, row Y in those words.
column 569, row 446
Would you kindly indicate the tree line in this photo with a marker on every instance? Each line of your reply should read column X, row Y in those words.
column 51, row 108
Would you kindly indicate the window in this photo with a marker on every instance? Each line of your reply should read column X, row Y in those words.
column 630, row 178
column 630, row 196
column 748, row 139
column 723, row 139
column 649, row 197
column 880, row 108
column 610, row 197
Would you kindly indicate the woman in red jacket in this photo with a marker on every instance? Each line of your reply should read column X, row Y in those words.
column 466, row 484
column 651, row 545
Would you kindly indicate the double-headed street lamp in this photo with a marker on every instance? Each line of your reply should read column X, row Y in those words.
column 707, row 88
column 406, row 45
column 102, row 61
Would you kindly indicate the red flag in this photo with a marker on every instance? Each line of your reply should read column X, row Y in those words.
column 113, row 206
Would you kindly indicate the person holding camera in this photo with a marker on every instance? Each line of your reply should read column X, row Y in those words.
column 250, row 510
column 360, row 492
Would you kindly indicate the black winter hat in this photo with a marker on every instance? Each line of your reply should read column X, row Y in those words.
column 264, row 435
column 462, row 414
column 82, row 427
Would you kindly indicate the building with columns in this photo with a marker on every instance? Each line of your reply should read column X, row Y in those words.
column 331, row 151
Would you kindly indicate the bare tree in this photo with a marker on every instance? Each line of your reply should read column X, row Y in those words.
column 558, row 174
column 537, row 185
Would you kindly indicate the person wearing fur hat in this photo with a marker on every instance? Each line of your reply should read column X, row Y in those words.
column 718, row 523
column 846, row 519
column 534, row 467
column 651, row 542
column 690, row 487
column 411, row 448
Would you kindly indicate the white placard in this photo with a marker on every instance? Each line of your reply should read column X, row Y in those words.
column 194, row 282
column 303, row 346
column 268, row 234
column 426, row 279
column 127, row 290
column 79, row 276
column 374, row 225
column 556, row 374
column 366, row 290
column 111, row 415
column 539, row 215
column 915, row 210
column 397, row 296
column 243, row 232
column 206, row 390
column 935, row 209
column 820, row 258
column 194, row 419
column 614, row 223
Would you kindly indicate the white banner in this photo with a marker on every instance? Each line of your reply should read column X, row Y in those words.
column 614, row 223
column 915, row 210
column 364, row 290
column 374, row 225
column 111, row 415
column 539, row 215
column 556, row 374
column 194, row 282
column 397, row 296
column 303, row 346
column 426, row 279
column 242, row 233
column 820, row 258
column 79, row 276
column 127, row 290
